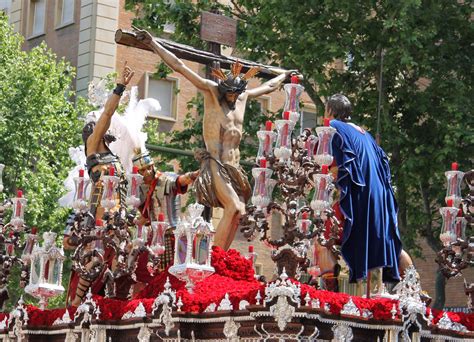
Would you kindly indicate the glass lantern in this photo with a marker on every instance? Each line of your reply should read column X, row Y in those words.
column 31, row 241
column 1, row 177
column 304, row 224
column 324, row 151
column 283, row 144
column 133, row 192
column 461, row 223
column 262, row 191
column 46, row 270
column 110, row 184
column 80, row 201
column 293, row 92
column 10, row 244
column 266, row 139
column 99, row 233
column 448, row 230
column 18, row 205
column 322, row 190
column 309, row 146
column 193, row 240
column 314, row 269
column 454, row 178
column 158, row 229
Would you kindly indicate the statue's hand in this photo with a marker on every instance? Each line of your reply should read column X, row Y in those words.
column 127, row 75
column 144, row 36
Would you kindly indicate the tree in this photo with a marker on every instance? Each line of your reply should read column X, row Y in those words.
column 38, row 123
column 425, row 120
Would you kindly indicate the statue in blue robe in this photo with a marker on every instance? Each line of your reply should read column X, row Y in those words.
column 371, row 238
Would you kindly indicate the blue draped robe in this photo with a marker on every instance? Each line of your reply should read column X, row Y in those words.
column 371, row 238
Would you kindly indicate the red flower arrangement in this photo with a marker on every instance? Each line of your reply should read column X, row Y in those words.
column 235, row 276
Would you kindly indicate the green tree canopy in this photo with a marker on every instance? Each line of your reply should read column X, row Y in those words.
column 38, row 123
column 425, row 121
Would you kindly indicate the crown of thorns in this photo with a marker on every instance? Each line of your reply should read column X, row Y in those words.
column 233, row 82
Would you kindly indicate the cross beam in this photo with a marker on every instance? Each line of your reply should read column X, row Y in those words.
column 128, row 38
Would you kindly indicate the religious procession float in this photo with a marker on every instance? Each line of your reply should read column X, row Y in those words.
column 123, row 233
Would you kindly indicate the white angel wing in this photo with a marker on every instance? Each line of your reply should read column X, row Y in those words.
column 78, row 156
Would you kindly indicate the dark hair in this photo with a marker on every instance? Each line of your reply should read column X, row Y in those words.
column 87, row 131
column 340, row 107
column 232, row 85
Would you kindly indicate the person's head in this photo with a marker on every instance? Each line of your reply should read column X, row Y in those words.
column 148, row 174
column 145, row 165
column 88, row 129
column 232, row 84
column 338, row 107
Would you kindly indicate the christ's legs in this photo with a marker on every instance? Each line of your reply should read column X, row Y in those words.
column 233, row 209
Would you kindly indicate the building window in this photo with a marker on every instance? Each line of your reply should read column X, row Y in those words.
column 164, row 90
column 64, row 12
column 37, row 13
column 308, row 119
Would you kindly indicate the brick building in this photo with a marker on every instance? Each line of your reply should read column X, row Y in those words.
column 83, row 31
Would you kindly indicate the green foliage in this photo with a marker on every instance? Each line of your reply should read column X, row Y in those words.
column 38, row 123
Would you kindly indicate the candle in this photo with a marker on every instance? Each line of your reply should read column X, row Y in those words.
column 268, row 125
column 324, row 169
column 454, row 166
column 294, row 79
column 111, row 171
column 284, row 130
column 161, row 217
column 34, row 230
column 305, row 215
column 449, row 202
column 11, row 246
column 19, row 194
column 292, row 107
column 251, row 249
column 327, row 121
column 81, row 173
column 135, row 170
column 261, row 178
column 266, row 144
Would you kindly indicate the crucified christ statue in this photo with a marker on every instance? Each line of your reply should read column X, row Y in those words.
column 221, row 182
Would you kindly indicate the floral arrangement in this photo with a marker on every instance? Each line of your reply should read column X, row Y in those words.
column 234, row 276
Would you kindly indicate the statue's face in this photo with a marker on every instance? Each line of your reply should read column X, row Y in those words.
column 231, row 97
column 148, row 174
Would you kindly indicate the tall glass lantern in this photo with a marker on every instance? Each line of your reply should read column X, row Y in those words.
column 454, row 179
column 110, row 183
column 448, row 230
column 322, row 190
column 193, row 241
column 263, row 189
column 324, row 151
column 133, row 192
column 293, row 92
column 46, row 270
column 266, row 139
column 80, row 199
column 18, row 205
column 283, row 144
